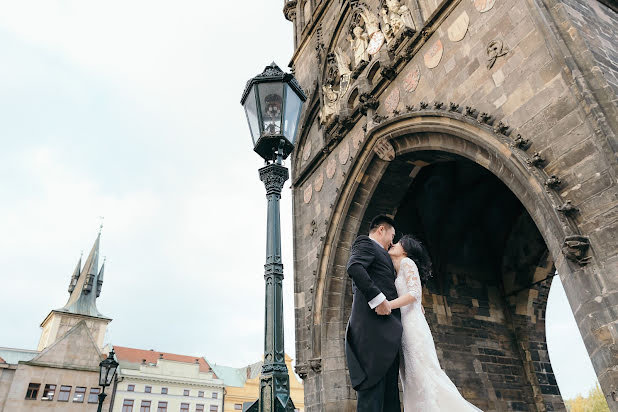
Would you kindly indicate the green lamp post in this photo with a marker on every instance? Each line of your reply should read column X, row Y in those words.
column 273, row 100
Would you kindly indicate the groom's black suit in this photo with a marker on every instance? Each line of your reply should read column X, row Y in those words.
column 373, row 341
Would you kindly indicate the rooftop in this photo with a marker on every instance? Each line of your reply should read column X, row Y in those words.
column 133, row 355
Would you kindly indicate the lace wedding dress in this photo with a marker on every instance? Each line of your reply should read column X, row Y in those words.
column 426, row 388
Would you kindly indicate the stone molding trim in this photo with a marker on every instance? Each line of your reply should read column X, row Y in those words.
column 445, row 131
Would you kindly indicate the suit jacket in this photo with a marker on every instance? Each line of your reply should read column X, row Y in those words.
column 372, row 341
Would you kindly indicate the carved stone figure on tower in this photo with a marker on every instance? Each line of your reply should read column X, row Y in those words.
column 358, row 42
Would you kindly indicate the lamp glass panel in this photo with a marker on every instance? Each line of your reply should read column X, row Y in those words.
column 111, row 373
column 293, row 104
column 103, row 374
column 252, row 115
column 271, row 106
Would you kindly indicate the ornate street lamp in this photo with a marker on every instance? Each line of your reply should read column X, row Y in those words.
column 273, row 101
column 107, row 371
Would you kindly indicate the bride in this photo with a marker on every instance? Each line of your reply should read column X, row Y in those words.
column 426, row 388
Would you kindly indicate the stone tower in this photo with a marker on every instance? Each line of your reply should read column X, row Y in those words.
column 488, row 129
column 84, row 289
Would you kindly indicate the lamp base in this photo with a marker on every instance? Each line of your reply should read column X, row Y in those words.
column 269, row 144
column 279, row 407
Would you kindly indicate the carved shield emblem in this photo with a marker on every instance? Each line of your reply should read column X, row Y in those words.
column 344, row 154
column 434, row 55
column 458, row 29
column 307, row 150
column 318, row 182
column 357, row 138
column 375, row 43
column 410, row 82
column 392, row 100
column 484, row 5
column 308, row 193
column 331, row 167
column 384, row 149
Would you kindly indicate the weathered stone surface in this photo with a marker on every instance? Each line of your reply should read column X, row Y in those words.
column 555, row 86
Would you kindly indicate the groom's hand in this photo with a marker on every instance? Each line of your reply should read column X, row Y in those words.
column 384, row 308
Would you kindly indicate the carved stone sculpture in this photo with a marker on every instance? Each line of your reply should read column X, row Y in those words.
column 575, row 248
column 329, row 108
column 396, row 17
column 358, row 42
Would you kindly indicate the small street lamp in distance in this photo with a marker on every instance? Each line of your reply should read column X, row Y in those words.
column 273, row 101
column 107, row 371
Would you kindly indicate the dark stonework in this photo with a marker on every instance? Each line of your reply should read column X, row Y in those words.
column 506, row 171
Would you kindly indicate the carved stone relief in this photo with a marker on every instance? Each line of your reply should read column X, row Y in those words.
column 307, row 151
column 384, row 149
column 331, row 167
column 344, row 153
column 357, row 138
column 434, row 55
column 392, row 101
column 483, row 5
column 410, row 81
column 495, row 49
column 318, row 182
column 307, row 194
column 458, row 29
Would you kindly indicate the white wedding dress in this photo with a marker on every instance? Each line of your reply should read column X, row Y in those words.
column 426, row 388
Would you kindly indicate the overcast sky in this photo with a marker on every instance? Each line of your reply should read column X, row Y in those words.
column 130, row 110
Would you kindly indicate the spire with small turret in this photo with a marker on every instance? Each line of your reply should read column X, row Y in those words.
column 84, row 289
column 84, row 282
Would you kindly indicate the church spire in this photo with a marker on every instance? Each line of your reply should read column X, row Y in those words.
column 82, row 300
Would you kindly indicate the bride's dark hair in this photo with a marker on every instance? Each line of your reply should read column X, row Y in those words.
column 416, row 251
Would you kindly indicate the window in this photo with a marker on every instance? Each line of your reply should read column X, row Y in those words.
column 63, row 395
column 48, row 392
column 163, row 391
column 127, row 405
column 162, row 406
column 33, row 391
column 238, row 406
column 186, row 392
column 200, row 394
column 199, row 407
column 148, row 389
column 79, row 395
column 215, row 395
column 214, row 408
column 131, row 388
column 145, row 406
column 93, row 397
column 184, row 407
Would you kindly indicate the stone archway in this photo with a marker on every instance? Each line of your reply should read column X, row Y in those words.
column 427, row 139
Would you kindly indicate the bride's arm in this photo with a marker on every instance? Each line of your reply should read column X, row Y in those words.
column 413, row 282
column 402, row 301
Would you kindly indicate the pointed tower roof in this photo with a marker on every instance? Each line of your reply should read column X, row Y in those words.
column 85, row 285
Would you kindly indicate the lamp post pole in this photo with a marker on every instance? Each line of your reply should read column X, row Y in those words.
column 274, row 379
column 102, row 396
column 273, row 101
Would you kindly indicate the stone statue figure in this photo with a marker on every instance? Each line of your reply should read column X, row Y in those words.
column 395, row 17
column 329, row 108
column 343, row 62
column 358, row 43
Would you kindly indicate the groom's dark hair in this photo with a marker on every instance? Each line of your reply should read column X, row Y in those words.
column 380, row 220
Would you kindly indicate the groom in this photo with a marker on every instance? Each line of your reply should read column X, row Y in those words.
column 373, row 334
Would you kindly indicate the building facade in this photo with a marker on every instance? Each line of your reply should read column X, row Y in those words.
column 487, row 128
column 242, row 385
column 149, row 380
column 63, row 374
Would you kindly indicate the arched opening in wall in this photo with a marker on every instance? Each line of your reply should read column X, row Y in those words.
column 570, row 360
column 492, row 272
